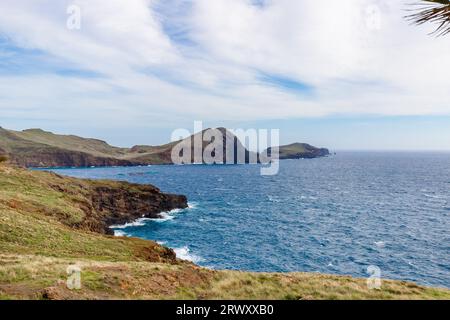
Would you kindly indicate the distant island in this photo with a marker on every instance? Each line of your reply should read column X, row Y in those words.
column 38, row 148
column 301, row 151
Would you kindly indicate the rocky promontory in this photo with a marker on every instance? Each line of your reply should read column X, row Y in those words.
column 300, row 151
column 37, row 148
column 119, row 203
column 90, row 205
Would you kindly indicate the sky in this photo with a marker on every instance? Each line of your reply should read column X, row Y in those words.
column 345, row 75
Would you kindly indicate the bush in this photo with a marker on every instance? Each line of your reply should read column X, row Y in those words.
column 3, row 158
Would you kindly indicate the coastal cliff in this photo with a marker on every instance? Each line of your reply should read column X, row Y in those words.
column 49, row 222
column 52, row 158
column 94, row 205
column 37, row 148
column 120, row 202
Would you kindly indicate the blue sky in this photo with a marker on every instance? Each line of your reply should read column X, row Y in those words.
column 139, row 69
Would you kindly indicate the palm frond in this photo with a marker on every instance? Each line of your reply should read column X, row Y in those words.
column 434, row 11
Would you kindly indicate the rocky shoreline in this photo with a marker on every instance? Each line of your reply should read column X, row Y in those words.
column 126, row 203
column 105, row 203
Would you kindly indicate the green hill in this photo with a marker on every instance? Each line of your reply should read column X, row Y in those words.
column 70, row 142
column 36, row 148
column 39, row 148
column 300, row 151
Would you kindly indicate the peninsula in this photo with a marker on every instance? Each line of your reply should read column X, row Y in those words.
column 42, row 149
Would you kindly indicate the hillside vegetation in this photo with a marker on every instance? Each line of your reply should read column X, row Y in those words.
column 39, row 148
column 49, row 222
column 301, row 151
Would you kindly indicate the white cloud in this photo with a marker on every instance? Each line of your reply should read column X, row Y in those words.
column 359, row 56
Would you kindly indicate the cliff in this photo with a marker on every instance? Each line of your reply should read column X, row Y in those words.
column 90, row 205
column 38, row 148
column 28, row 149
column 119, row 203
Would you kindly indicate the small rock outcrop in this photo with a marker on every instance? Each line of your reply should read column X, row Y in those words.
column 127, row 202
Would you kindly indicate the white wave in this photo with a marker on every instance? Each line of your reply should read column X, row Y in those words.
column 119, row 233
column 163, row 216
column 433, row 196
column 273, row 199
column 137, row 223
column 184, row 253
column 380, row 244
column 192, row 205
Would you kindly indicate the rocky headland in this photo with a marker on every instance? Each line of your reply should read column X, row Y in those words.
column 300, row 151
column 37, row 148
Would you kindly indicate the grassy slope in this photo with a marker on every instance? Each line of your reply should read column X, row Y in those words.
column 36, row 141
column 70, row 142
column 39, row 148
column 37, row 243
column 28, row 143
column 10, row 142
column 297, row 149
column 294, row 148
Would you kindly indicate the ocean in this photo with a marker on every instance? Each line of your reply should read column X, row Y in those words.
column 338, row 215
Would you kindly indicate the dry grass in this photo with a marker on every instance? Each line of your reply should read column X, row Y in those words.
column 37, row 277
column 306, row 286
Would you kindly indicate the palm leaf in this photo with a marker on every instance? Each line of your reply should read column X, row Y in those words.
column 434, row 11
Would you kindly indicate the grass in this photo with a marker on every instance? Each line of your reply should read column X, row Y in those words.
column 70, row 142
column 39, row 211
column 41, row 235
column 300, row 150
column 25, row 145
column 29, row 277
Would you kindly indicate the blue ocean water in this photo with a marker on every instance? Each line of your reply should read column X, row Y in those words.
column 337, row 215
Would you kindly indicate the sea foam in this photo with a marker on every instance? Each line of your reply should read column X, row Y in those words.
column 137, row 223
column 184, row 253
column 192, row 205
column 119, row 233
column 163, row 216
